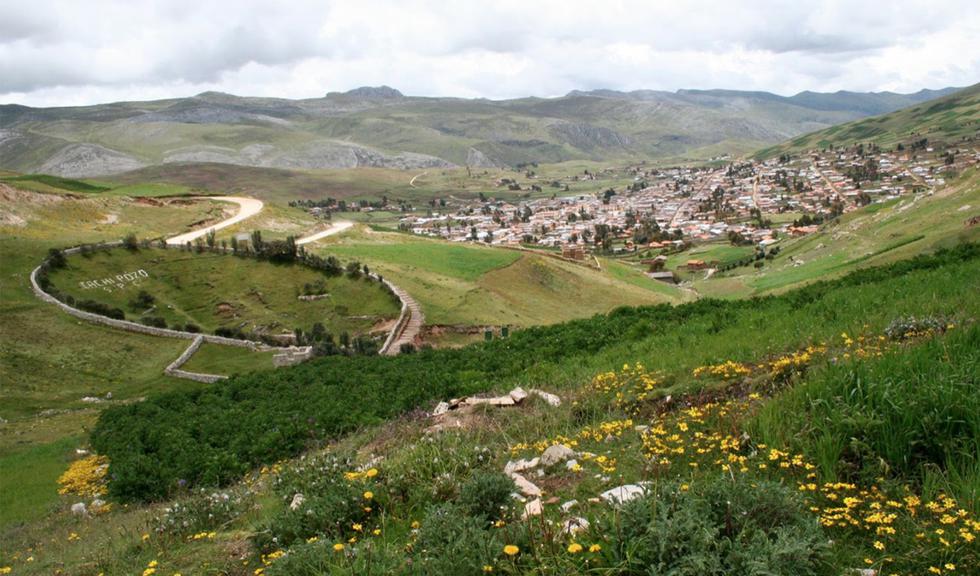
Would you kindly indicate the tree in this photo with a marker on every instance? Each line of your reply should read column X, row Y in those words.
column 130, row 242
column 56, row 258
column 257, row 241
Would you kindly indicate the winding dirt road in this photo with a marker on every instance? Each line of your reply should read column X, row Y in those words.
column 335, row 228
column 248, row 207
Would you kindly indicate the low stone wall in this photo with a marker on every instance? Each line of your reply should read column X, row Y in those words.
column 174, row 368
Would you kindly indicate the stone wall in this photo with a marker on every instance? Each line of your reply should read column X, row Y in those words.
column 174, row 368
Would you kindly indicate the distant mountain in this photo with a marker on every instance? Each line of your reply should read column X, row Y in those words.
column 379, row 126
column 946, row 119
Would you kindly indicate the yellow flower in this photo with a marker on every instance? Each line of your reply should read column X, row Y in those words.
column 595, row 548
column 371, row 473
column 950, row 566
column 357, row 527
column 376, row 532
column 149, row 571
column 574, row 548
column 338, row 547
column 878, row 545
column 415, row 524
column 487, row 568
column 146, row 537
column 6, row 570
column 368, row 495
column 152, row 564
column 511, row 550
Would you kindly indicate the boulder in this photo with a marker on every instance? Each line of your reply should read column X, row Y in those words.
column 520, row 465
column 551, row 399
column 556, row 453
column 533, row 508
column 525, row 486
column 625, row 493
column 518, row 394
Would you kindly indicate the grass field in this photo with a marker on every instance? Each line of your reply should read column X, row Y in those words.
column 213, row 290
column 469, row 284
column 227, row 360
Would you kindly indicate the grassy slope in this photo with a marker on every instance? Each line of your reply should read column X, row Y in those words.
column 200, row 289
column 749, row 333
column 945, row 119
column 876, row 234
column 468, row 284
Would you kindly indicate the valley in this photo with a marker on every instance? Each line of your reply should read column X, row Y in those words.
column 507, row 358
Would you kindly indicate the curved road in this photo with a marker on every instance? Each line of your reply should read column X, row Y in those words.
column 334, row 228
column 248, row 207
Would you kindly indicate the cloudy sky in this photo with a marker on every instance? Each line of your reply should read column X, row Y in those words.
column 83, row 52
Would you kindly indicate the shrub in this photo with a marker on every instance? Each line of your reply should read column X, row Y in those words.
column 100, row 308
column 486, row 495
column 143, row 301
column 154, row 321
column 719, row 526
column 909, row 327
column 189, row 327
column 451, row 542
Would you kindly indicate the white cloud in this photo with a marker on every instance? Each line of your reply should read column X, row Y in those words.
column 64, row 52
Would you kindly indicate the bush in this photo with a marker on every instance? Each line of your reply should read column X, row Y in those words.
column 194, row 328
column 486, row 495
column 154, row 321
column 143, row 301
column 451, row 543
column 100, row 308
column 717, row 527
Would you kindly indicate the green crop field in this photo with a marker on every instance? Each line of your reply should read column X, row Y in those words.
column 215, row 290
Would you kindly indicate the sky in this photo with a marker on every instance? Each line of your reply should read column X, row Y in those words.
column 75, row 52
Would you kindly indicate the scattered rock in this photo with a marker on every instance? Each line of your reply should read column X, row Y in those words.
column 556, row 453
column 571, row 464
column 91, row 400
column 565, row 507
column 79, row 509
column 553, row 500
column 525, row 486
column 518, row 394
column 641, row 428
column 520, row 465
column 865, row 571
column 298, row 500
column 551, row 399
column 81, row 452
column 441, row 408
column 624, row 493
column 497, row 401
column 533, row 508
column 573, row 526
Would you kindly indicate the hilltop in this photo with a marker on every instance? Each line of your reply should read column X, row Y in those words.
column 380, row 127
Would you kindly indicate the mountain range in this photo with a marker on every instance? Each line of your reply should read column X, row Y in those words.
column 379, row 126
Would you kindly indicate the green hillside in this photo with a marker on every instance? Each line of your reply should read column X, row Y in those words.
column 945, row 120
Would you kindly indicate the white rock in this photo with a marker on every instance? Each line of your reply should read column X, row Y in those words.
column 641, row 428
column 865, row 571
column 621, row 494
column 91, row 400
column 525, row 486
column 440, row 409
column 533, row 508
column 571, row 464
column 551, row 399
column 520, row 465
column 556, row 453
column 97, row 503
column 81, row 451
column 79, row 509
column 518, row 394
column 566, row 506
column 573, row 526
column 298, row 500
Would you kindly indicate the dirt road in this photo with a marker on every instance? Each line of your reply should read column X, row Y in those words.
column 248, row 207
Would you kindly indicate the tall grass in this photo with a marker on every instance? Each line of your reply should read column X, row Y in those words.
column 911, row 415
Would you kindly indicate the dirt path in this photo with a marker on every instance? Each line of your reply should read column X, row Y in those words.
column 248, row 207
column 412, row 181
column 335, row 228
